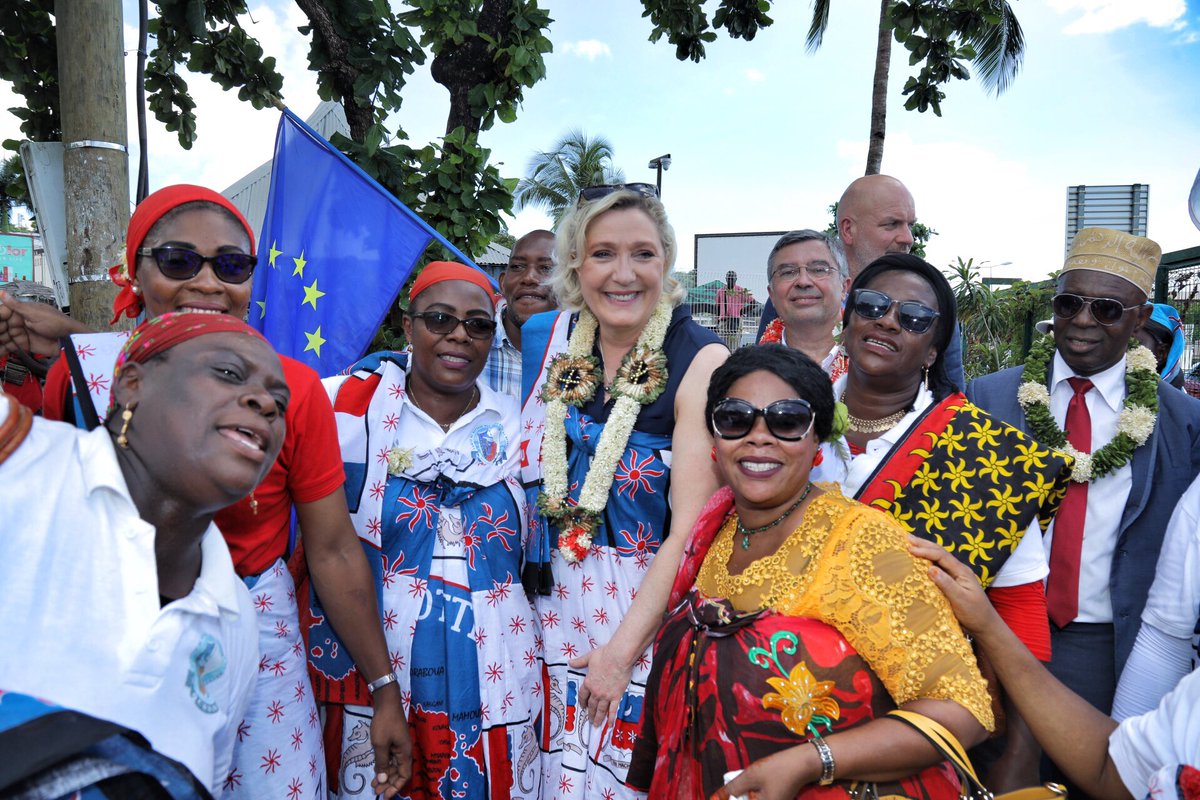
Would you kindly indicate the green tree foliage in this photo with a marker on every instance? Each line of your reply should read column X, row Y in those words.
column 555, row 177
column 942, row 36
column 997, row 324
column 485, row 52
column 13, row 191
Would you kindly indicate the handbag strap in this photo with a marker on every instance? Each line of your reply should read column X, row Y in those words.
column 947, row 744
column 952, row 750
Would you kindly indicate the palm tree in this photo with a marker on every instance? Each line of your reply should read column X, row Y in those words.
column 556, row 176
column 990, row 39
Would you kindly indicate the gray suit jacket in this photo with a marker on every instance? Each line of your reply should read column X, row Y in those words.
column 1163, row 468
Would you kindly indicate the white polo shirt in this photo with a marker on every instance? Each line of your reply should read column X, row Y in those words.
column 80, row 603
column 1165, row 737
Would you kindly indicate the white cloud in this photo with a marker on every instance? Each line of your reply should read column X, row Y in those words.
column 591, row 49
column 1105, row 16
column 1004, row 212
column 755, row 75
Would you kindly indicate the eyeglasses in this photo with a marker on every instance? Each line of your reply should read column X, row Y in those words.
column 1105, row 310
column 442, row 324
column 591, row 193
column 914, row 317
column 790, row 272
column 181, row 264
column 789, row 420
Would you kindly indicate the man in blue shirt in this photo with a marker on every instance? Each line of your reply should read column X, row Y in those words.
column 523, row 285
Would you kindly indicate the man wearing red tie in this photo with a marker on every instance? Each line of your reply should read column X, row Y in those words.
column 1080, row 393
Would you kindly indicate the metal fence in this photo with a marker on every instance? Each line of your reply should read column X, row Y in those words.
column 1178, row 283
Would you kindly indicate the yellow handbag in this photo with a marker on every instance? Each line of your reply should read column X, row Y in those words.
column 948, row 745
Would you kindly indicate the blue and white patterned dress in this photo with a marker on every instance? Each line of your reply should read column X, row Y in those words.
column 443, row 536
column 580, row 605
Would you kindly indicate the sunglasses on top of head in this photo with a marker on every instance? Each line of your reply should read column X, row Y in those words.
column 914, row 317
column 181, row 264
column 1105, row 310
column 591, row 193
column 789, row 420
column 441, row 323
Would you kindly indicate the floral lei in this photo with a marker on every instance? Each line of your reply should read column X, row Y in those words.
column 572, row 379
column 773, row 333
column 1134, row 426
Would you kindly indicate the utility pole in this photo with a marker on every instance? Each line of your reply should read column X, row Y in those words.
column 91, row 78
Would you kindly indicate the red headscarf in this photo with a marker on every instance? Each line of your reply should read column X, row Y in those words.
column 439, row 271
column 148, row 212
column 160, row 334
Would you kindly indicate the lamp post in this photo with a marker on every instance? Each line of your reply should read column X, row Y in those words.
column 661, row 163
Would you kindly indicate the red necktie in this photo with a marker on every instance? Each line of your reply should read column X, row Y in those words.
column 1062, row 589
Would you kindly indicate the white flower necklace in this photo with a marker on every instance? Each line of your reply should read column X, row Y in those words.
column 641, row 378
column 1134, row 425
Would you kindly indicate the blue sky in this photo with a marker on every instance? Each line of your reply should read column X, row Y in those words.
column 764, row 135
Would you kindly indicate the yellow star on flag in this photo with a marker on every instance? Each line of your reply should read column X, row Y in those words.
column 312, row 294
column 300, row 262
column 262, row 308
column 273, row 255
column 314, row 341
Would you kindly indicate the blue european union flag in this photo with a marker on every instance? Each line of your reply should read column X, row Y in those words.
column 335, row 250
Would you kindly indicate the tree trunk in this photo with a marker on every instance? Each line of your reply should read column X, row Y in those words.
column 883, row 61
column 91, row 72
column 460, row 68
column 358, row 117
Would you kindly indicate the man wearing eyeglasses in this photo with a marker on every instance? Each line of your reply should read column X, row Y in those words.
column 807, row 278
column 875, row 216
column 1105, row 541
column 523, row 285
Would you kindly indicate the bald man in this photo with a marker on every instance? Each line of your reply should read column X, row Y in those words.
column 875, row 216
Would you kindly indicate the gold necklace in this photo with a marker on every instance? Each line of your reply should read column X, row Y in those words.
column 880, row 425
column 445, row 428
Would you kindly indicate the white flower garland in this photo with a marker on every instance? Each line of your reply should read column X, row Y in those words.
column 1136, row 421
column 613, row 440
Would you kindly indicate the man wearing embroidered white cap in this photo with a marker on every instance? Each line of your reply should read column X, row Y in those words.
column 1094, row 392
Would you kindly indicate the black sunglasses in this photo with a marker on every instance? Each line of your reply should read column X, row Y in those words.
column 914, row 317
column 181, row 264
column 441, row 323
column 1105, row 310
column 596, row 192
column 789, row 420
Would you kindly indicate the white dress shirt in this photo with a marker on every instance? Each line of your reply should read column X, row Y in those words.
column 83, row 624
column 1107, row 496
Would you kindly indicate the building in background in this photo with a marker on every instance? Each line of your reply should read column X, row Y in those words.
column 1122, row 208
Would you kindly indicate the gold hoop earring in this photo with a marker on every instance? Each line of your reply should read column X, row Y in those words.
column 122, row 439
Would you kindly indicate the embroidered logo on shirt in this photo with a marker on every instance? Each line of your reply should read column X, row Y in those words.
column 206, row 664
column 489, row 442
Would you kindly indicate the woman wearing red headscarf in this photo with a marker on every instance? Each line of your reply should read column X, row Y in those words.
column 189, row 249
column 431, row 456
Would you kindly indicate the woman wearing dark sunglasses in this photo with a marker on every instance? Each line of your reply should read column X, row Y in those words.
column 945, row 469
column 432, row 455
column 797, row 620
column 189, row 249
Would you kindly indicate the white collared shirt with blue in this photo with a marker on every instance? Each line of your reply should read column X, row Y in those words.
column 1106, row 496
column 83, row 626
column 503, row 369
